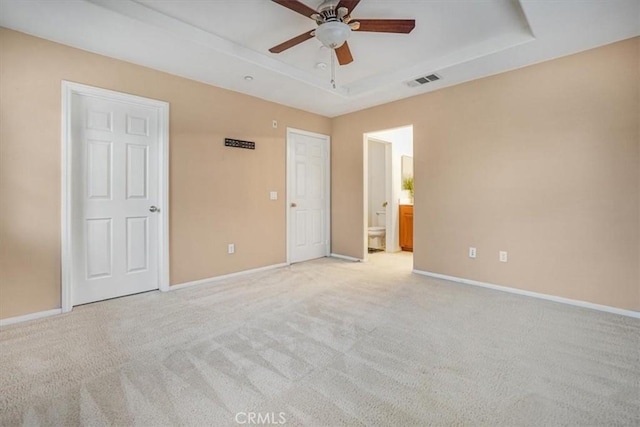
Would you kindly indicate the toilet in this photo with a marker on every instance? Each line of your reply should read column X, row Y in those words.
column 377, row 233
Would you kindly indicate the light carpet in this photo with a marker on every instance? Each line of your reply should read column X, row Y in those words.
column 326, row 342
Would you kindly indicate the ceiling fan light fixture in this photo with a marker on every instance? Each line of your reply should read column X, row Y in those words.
column 333, row 34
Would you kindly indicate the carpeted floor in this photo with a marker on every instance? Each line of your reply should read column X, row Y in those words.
column 326, row 342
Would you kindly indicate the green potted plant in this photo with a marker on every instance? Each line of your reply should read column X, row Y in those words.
column 407, row 184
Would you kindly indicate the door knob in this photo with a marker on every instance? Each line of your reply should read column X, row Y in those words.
column 293, row 205
column 153, row 209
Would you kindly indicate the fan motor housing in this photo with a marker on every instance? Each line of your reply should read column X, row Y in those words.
column 329, row 15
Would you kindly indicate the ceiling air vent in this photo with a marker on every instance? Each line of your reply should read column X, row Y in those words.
column 423, row 80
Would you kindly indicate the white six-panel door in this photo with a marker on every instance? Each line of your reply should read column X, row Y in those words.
column 114, row 149
column 308, row 193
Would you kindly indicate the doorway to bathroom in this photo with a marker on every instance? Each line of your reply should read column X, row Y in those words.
column 388, row 192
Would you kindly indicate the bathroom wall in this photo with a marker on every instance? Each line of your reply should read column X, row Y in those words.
column 377, row 182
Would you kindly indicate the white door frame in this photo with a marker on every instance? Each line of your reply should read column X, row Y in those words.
column 68, row 90
column 327, row 184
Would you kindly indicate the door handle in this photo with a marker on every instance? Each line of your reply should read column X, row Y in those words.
column 153, row 209
column 293, row 205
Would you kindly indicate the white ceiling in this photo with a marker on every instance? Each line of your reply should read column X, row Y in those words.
column 221, row 41
column 403, row 135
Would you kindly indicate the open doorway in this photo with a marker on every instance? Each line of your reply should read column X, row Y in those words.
column 388, row 191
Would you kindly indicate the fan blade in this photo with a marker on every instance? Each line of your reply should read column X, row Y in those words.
column 296, row 6
column 349, row 4
column 404, row 26
column 292, row 42
column 344, row 54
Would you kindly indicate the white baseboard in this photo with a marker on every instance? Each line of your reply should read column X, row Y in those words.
column 578, row 303
column 226, row 276
column 31, row 316
column 346, row 258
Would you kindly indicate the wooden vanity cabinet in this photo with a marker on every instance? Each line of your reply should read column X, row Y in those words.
column 406, row 227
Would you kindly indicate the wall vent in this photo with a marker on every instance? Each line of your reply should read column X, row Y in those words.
column 423, row 80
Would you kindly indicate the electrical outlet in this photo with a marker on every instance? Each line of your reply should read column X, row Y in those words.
column 274, row 123
column 472, row 252
column 273, row 195
column 231, row 248
column 503, row 256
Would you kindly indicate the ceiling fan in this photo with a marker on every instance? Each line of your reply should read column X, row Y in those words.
column 335, row 25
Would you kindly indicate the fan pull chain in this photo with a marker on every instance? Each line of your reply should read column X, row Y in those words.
column 333, row 69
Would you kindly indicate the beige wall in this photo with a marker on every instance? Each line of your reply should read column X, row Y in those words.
column 542, row 162
column 218, row 195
